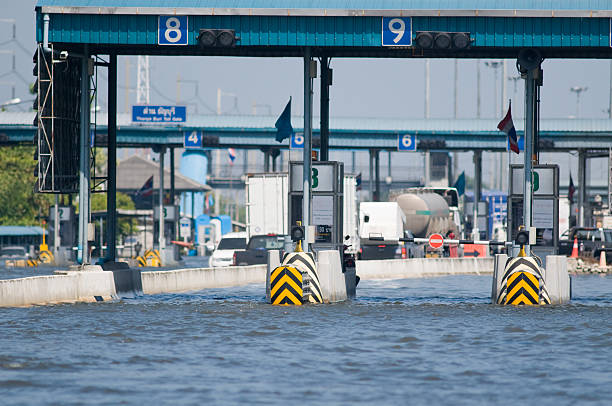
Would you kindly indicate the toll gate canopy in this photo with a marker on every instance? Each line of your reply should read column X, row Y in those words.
column 356, row 28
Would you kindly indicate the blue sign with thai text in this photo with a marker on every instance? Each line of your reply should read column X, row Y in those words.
column 193, row 139
column 172, row 30
column 159, row 114
column 396, row 31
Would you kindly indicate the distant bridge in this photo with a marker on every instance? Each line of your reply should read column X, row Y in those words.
column 254, row 132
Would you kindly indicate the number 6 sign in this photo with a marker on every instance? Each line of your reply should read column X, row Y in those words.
column 396, row 31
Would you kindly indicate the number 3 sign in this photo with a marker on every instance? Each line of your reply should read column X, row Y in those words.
column 396, row 31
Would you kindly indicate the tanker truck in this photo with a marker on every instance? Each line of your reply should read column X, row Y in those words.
column 429, row 210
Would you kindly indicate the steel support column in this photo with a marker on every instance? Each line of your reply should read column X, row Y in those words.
column 530, row 116
column 371, row 175
column 111, row 188
column 172, row 191
column 325, row 78
column 84, row 171
column 477, row 192
column 162, row 238
column 582, row 186
column 307, row 157
column 377, row 175
column 427, row 165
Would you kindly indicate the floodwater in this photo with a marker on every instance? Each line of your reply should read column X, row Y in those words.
column 414, row 341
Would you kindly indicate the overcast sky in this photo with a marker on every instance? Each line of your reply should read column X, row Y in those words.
column 361, row 88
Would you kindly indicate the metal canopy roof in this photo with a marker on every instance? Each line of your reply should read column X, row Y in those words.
column 343, row 28
column 509, row 8
column 345, row 133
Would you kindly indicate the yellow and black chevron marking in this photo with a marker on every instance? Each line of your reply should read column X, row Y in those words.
column 142, row 261
column 152, row 258
column 305, row 263
column 522, row 283
column 523, row 289
column 286, row 286
column 46, row 257
column 32, row 263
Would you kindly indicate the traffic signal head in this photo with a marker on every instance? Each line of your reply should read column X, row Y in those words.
column 297, row 233
column 217, row 38
column 442, row 40
column 522, row 237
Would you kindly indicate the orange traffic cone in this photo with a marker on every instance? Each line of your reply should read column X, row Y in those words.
column 575, row 249
column 602, row 259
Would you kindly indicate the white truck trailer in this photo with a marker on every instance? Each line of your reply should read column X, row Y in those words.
column 267, row 207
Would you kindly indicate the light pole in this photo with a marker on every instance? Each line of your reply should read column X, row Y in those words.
column 495, row 65
column 578, row 90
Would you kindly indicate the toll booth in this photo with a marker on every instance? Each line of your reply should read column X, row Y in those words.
column 545, row 207
column 327, row 201
column 67, row 226
column 171, row 216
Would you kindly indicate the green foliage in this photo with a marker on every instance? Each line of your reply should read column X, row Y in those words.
column 19, row 204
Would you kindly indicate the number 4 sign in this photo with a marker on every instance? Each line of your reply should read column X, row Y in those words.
column 396, row 31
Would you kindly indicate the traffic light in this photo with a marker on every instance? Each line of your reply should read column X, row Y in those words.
column 217, row 38
column 442, row 40
column 297, row 233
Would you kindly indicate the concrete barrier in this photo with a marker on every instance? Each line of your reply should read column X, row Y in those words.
column 423, row 267
column 185, row 280
column 557, row 280
column 329, row 269
column 498, row 275
column 71, row 286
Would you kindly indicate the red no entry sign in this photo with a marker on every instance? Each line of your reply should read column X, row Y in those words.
column 436, row 241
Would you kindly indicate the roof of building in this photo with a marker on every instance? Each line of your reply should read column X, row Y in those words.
column 327, row 5
column 133, row 172
column 18, row 231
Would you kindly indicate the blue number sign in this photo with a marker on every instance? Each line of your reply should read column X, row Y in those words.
column 396, row 31
column 297, row 140
column 406, row 142
column 172, row 30
column 193, row 139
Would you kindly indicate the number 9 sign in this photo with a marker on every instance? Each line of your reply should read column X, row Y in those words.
column 397, row 31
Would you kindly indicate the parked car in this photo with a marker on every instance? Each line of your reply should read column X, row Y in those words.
column 14, row 252
column 591, row 241
column 257, row 250
column 223, row 254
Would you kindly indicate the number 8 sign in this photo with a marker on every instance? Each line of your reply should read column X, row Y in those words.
column 172, row 30
column 396, row 31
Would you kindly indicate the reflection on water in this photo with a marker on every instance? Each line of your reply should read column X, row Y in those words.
column 415, row 341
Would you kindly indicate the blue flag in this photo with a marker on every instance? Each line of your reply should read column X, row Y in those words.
column 460, row 184
column 283, row 124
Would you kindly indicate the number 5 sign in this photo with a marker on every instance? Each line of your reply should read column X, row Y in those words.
column 297, row 140
column 172, row 30
column 396, row 31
